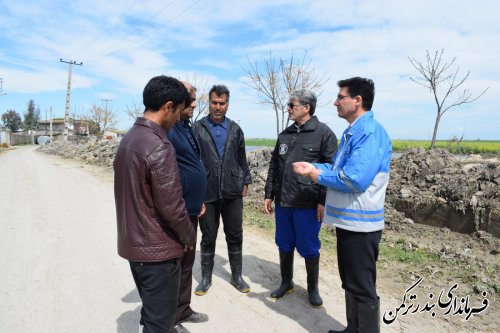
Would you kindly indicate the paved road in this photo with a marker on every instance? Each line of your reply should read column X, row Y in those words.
column 61, row 272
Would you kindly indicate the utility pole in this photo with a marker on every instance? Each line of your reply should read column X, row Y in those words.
column 106, row 101
column 51, row 140
column 1, row 87
column 68, row 95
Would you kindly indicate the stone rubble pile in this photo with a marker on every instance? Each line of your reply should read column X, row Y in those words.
column 428, row 187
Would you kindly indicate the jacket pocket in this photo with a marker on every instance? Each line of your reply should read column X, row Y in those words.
column 311, row 152
column 308, row 189
column 234, row 184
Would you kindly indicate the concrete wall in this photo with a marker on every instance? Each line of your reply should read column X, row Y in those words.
column 5, row 137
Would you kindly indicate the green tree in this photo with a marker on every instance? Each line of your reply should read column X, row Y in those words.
column 31, row 117
column 12, row 120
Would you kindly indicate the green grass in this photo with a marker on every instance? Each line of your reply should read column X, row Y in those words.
column 464, row 147
column 400, row 254
column 260, row 142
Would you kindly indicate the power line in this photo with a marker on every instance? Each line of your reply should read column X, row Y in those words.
column 107, row 28
column 143, row 37
column 108, row 50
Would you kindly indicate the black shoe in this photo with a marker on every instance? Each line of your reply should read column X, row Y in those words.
column 312, row 267
column 196, row 317
column 369, row 317
column 351, row 308
column 345, row 330
column 178, row 328
column 236, row 263
column 240, row 284
column 286, row 267
column 207, row 265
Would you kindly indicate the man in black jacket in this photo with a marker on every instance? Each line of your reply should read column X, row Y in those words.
column 194, row 185
column 300, row 203
column 228, row 175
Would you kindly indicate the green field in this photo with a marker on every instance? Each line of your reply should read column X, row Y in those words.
column 464, row 147
column 260, row 142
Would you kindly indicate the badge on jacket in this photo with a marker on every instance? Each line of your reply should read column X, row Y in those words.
column 283, row 148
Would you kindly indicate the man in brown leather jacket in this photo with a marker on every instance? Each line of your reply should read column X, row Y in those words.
column 153, row 226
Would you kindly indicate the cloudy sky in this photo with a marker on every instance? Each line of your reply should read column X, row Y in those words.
column 122, row 44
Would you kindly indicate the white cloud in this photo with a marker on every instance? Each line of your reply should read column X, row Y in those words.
column 123, row 44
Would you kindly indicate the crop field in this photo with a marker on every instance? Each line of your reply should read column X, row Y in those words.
column 463, row 147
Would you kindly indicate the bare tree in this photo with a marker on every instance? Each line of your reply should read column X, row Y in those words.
column 442, row 84
column 201, row 85
column 134, row 111
column 101, row 119
column 279, row 78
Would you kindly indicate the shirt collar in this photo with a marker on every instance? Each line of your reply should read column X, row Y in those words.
column 212, row 123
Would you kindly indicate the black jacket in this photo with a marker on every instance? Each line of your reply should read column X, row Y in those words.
column 315, row 143
column 226, row 177
column 192, row 171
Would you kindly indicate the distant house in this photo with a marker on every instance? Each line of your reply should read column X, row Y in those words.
column 111, row 134
column 57, row 126
column 75, row 127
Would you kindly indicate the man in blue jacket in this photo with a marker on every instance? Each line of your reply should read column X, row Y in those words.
column 194, row 184
column 357, row 182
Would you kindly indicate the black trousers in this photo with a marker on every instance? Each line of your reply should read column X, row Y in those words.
column 231, row 211
column 357, row 254
column 158, row 286
column 186, row 284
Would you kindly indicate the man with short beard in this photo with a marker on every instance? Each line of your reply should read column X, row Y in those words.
column 154, row 228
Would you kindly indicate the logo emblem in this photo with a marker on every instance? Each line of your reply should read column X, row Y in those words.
column 283, row 148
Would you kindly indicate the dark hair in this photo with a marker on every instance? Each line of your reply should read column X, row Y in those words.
column 305, row 97
column 362, row 87
column 163, row 89
column 219, row 90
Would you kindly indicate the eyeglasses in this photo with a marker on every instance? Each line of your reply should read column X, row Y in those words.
column 291, row 105
column 341, row 97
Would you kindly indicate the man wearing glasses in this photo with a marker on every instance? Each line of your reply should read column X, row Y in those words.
column 222, row 147
column 357, row 181
column 299, row 201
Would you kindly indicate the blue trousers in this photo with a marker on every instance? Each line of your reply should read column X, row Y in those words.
column 298, row 228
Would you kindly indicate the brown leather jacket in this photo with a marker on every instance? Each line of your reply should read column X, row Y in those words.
column 153, row 224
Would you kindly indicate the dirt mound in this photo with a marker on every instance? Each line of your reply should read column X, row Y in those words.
column 435, row 188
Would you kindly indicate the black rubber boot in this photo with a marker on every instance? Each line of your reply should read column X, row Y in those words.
column 236, row 263
column 286, row 266
column 207, row 266
column 369, row 317
column 351, row 310
column 312, row 267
